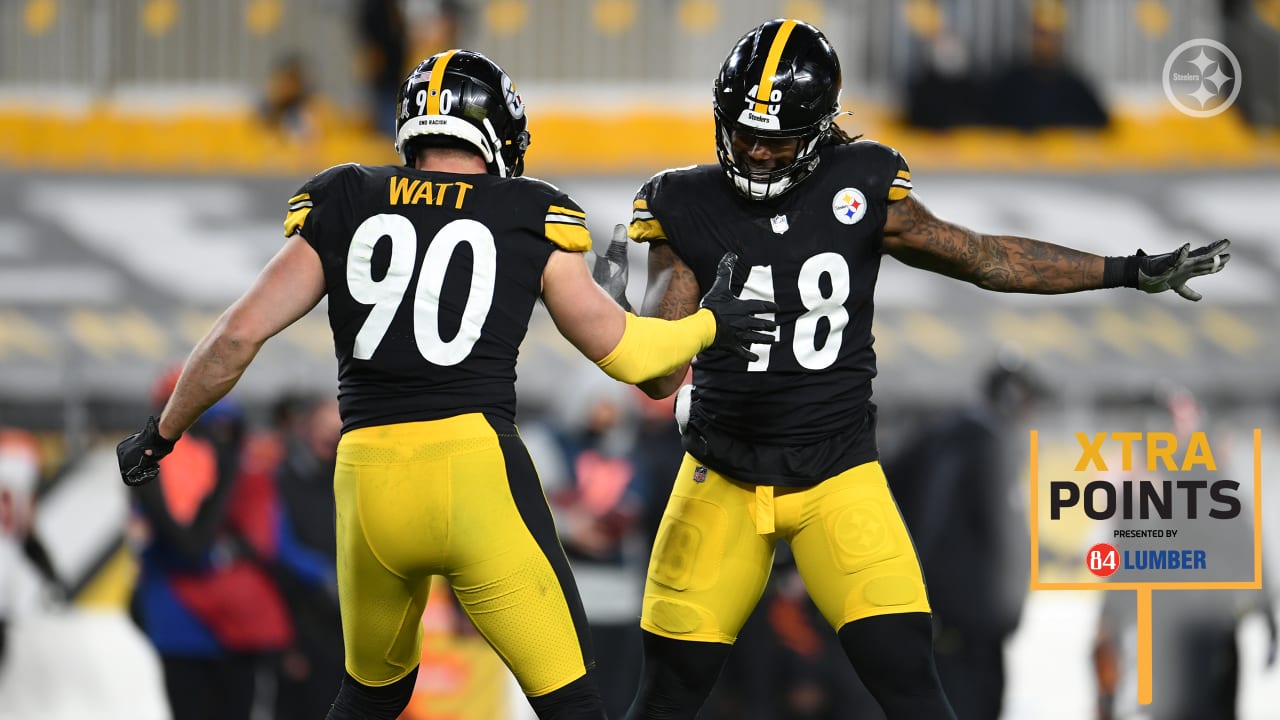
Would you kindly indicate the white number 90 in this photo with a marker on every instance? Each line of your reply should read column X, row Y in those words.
column 387, row 293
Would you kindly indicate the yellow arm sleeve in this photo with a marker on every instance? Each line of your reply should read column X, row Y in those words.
column 651, row 347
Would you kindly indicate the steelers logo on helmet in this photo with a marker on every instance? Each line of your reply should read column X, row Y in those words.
column 849, row 205
column 459, row 96
column 779, row 84
column 515, row 105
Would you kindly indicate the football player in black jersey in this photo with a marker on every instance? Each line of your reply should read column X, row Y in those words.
column 783, row 446
column 432, row 270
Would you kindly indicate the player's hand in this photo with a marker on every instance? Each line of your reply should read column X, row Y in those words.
column 611, row 270
column 140, row 454
column 1171, row 271
column 737, row 321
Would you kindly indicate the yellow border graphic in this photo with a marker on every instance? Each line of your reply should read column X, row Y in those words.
column 1144, row 588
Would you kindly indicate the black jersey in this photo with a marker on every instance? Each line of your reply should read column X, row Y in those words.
column 431, row 279
column 802, row 412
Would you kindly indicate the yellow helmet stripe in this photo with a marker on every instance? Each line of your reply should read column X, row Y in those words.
column 433, row 87
column 771, row 64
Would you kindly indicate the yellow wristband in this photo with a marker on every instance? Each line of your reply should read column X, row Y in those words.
column 651, row 348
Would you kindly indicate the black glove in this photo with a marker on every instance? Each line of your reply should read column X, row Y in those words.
column 737, row 321
column 1168, row 271
column 611, row 270
column 140, row 454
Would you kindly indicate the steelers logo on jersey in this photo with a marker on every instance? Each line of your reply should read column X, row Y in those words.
column 849, row 205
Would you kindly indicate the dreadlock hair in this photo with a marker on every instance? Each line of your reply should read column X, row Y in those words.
column 837, row 136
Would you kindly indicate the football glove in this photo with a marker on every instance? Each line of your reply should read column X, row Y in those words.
column 684, row 401
column 140, row 454
column 611, row 270
column 1168, row 271
column 737, row 321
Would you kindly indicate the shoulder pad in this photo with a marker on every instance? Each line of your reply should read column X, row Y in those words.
column 565, row 224
column 890, row 164
column 644, row 226
column 302, row 201
column 537, row 181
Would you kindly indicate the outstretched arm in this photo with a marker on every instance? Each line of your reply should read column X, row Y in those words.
column 1006, row 263
column 290, row 285
column 635, row 349
column 1003, row 263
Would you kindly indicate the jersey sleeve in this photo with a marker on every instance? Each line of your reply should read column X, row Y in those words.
column 299, row 216
column 565, row 225
column 900, row 186
column 644, row 226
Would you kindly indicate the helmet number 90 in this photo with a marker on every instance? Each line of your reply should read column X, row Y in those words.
column 446, row 101
column 387, row 294
column 811, row 352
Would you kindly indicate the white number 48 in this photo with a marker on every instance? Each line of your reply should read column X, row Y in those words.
column 809, row 352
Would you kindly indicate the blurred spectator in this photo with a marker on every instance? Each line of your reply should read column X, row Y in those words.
column 20, row 550
column 433, row 25
column 204, row 595
column 382, row 41
column 308, row 554
column 1044, row 90
column 957, row 486
column 391, row 34
column 595, row 487
column 1251, row 29
column 286, row 102
column 943, row 94
column 1195, row 654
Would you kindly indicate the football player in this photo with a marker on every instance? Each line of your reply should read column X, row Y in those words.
column 783, row 446
column 20, row 545
column 432, row 270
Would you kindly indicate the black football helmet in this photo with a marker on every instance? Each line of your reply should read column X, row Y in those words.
column 781, row 81
column 465, row 95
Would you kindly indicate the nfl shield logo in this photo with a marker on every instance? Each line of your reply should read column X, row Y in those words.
column 699, row 474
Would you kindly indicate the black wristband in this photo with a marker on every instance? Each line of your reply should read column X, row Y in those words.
column 1120, row 272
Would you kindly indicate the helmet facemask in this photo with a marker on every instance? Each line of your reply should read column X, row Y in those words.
column 766, row 184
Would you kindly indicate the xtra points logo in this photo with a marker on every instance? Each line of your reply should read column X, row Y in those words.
column 1201, row 78
column 1145, row 516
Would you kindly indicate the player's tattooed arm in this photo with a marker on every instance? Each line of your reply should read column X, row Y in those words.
column 1003, row 263
column 672, row 293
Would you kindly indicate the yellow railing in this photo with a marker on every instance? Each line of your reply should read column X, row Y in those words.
column 565, row 141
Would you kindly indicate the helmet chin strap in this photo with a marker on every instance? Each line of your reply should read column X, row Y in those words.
column 497, row 148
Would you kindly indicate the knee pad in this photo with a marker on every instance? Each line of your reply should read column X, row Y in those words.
column 357, row 701
column 579, row 700
column 678, row 676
